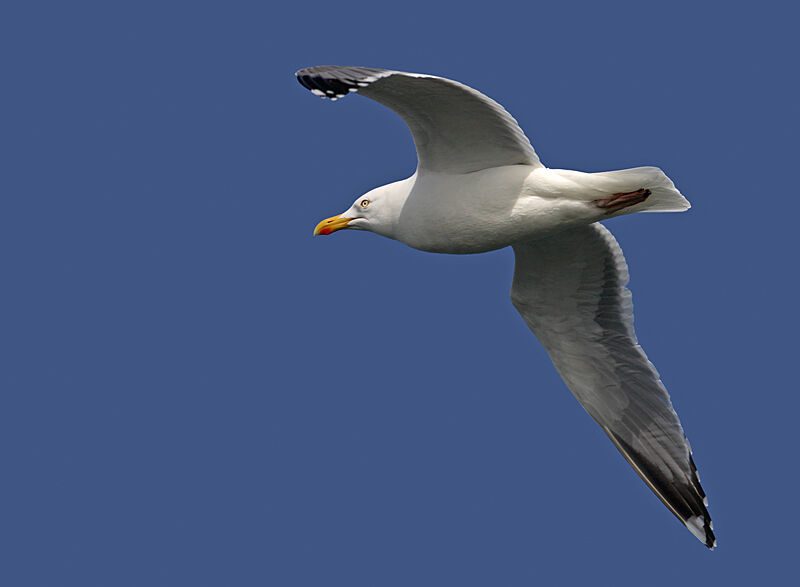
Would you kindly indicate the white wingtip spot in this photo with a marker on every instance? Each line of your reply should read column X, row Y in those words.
column 695, row 526
column 319, row 93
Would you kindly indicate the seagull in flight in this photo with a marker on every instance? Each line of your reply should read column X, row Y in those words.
column 479, row 186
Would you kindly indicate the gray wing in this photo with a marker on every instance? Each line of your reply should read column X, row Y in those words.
column 456, row 129
column 570, row 289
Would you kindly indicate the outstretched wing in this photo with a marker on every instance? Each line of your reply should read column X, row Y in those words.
column 570, row 289
column 456, row 129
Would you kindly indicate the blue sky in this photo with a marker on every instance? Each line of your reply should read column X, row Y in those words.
column 197, row 392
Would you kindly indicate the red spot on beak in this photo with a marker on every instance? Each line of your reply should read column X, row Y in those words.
column 325, row 230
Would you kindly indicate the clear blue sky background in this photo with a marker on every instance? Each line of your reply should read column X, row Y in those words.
column 197, row 392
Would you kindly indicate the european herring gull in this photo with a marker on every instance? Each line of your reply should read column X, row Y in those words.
column 479, row 186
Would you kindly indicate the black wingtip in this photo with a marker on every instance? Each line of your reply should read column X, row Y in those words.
column 334, row 81
column 711, row 540
column 708, row 527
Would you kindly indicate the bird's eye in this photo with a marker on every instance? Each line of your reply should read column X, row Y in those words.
column 364, row 203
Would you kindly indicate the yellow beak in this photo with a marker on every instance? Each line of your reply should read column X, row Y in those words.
column 331, row 224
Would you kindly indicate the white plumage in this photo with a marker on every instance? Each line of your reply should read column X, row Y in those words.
column 480, row 186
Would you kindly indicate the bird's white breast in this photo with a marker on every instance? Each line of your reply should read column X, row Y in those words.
column 485, row 210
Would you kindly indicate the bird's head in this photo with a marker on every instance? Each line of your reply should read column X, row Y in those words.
column 376, row 211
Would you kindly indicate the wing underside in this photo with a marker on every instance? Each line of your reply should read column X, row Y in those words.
column 571, row 291
column 456, row 129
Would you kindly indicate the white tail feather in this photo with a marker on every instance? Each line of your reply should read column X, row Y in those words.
column 664, row 197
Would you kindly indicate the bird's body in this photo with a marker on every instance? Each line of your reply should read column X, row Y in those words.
column 480, row 186
column 497, row 207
